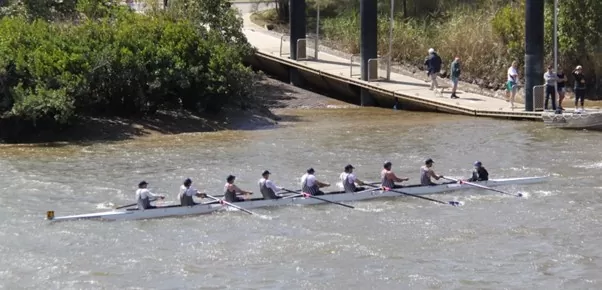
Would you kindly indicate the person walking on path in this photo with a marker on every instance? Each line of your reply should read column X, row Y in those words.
column 455, row 76
column 579, row 87
column 511, row 84
column 560, row 85
column 433, row 65
column 550, row 80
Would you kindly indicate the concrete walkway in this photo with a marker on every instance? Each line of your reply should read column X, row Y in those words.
column 270, row 43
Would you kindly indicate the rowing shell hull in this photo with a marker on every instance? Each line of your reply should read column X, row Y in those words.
column 173, row 211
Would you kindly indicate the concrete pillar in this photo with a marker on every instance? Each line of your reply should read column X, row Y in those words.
column 297, row 29
column 368, row 45
column 534, row 32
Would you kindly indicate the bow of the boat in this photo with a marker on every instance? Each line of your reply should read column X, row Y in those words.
column 519, row 180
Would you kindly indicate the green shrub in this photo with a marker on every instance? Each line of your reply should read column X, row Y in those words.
column 115, row 62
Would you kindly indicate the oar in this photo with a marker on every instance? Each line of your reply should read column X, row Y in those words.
column 124, row 206
column 325, row 200
column 132, row 204
column 483, row 187
column 454, row 203
column 232, row 205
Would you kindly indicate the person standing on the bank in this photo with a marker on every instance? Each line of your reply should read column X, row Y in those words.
column 511, row 84
column 550, row 79
column 433, row 65
column 455, row 76
column 560, row 85
column 579, row 87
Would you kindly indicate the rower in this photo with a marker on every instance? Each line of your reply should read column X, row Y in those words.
column 388, row 178
column 427, row 172
column 231, row 190
column 143, row 196
column 310, row 185
column 479, row 173
column 349, row 180
column 267, row 187
column 187, row 192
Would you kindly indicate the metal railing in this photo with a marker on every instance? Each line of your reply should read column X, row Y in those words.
column 351, row 75
column 539, row 93
column 373, row 65
column 299, row 42
column 281, row 42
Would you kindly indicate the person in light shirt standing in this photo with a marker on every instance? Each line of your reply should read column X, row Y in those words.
column 187, row 192
column 267, row 188
column 349, row 180
column 143, row 196
column 512, row 83
column 550, row 78
column 309, row 183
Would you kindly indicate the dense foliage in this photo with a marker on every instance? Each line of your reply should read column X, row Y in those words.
column 487, row 34
column 63, row 59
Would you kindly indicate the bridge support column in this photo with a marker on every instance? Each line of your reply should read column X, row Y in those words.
column 534, row 32
column 297, row 29
column 368, row 34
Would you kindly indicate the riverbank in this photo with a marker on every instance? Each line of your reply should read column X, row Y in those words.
column 269, row 106
column 479, row 37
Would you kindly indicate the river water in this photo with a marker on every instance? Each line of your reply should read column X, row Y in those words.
column 549, row 239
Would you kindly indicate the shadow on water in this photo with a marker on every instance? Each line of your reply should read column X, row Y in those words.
column 248, row 116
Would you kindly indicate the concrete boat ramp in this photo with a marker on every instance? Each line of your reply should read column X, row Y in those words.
column 340, row 77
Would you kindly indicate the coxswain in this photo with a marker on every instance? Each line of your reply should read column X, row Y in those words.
column 267, row 188
column 479, row 173
column 231, row 191
column 187, row 192
column 426, row 173
column 143, row 196
column 309, row 183
column 388, row 178
column 349, row 180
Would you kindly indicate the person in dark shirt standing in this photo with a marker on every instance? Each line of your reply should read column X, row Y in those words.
column 433, row 65
column 579, row 87
column 560, row 85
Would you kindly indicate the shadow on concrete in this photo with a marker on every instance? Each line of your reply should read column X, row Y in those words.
column 347, row 64
column 472, row 99
column 424, row 85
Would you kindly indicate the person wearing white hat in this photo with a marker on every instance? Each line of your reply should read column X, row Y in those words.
column 579, row 88
column 433, row 65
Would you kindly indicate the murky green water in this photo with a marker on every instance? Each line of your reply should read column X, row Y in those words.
column 550, row 239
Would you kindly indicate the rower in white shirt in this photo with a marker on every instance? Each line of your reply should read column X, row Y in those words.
column 267, row 188
column 310, row 185
column 143, row 196
column 187, row 192
column 349, row 180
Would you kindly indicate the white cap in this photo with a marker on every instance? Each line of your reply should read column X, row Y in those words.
column 431, row 50
column 579, row 67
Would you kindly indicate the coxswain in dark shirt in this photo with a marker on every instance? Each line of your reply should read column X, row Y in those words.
column 479, row 173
